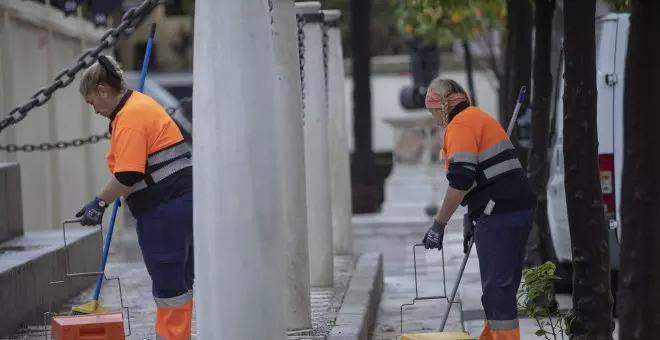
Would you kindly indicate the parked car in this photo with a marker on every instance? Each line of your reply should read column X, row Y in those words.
column 177, row 110
column 611, row 47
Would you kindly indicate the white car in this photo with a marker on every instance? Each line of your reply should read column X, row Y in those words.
column 611, row 47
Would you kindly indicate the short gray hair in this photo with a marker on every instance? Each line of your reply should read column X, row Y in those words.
column 104, row 71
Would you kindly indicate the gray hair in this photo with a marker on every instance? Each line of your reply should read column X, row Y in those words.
column 444, row 87
column 105, row 71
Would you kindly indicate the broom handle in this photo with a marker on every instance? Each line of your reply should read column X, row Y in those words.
column 115, row 207
column 521, row 98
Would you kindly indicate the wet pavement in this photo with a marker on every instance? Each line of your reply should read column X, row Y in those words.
column 396, row 241
column 125, row 262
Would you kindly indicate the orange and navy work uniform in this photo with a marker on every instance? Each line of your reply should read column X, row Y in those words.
column 148, row 154
column 480, row 159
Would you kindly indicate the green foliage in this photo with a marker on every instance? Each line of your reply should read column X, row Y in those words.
column 619, row 5
column 536, row 300
column 442, row 22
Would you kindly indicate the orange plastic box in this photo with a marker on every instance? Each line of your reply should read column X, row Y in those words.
column 107, row 326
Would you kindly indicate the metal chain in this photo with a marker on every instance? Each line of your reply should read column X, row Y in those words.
column 130, row 20
column 93, row 139
column 324, row 28
column 270, row 10
column 301, row 55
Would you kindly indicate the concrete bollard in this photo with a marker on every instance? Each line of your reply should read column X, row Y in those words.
column 291, row 164
column 239, row 248
column 317, row 167
column 340, row 167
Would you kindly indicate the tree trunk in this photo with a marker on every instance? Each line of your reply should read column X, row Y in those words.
column 505, row 78
column 556, row 59
column 640, row 196
column 519, row 71
column 592, row 299
column 467, row 58
column 539, row 244
column 363, row 159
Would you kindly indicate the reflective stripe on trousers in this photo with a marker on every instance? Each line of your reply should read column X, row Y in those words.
column 500, row 330
column 501, row 240
column 174, row 317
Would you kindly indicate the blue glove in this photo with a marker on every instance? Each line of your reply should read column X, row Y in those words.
column 434, row 236
column 468, row 232
column 92, row 212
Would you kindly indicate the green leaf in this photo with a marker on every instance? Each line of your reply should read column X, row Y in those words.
column 540, row 332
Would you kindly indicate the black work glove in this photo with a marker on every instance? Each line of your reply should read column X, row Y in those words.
column 468, row 232
column 92, row 212
column 433, row 237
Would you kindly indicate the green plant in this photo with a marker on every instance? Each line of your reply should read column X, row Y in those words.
column 536, row 300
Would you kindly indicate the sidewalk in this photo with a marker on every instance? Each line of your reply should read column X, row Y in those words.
column 395, row 240
column 126, row 263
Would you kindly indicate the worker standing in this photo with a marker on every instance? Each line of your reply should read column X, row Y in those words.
column 151, row 167
column 485, row 174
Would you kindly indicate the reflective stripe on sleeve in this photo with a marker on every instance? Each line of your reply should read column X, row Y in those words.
column 463, row 157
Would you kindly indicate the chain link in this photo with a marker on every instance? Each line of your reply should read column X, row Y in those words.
column 93, row 139
column 324, row 28
column 131, row 19
column 300, row 18
column 270, row 10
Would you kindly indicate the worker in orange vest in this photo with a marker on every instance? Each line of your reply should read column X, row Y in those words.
column 485, row 174
column 151, row 168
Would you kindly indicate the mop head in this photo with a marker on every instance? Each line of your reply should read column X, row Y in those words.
column 93, row 307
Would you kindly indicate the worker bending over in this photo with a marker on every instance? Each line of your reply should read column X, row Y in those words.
column 485, row 174
column 151, row 167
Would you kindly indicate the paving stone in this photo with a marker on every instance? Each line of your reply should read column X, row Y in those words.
column 126, row 263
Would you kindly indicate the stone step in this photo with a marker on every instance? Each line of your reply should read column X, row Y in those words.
column 30, row 262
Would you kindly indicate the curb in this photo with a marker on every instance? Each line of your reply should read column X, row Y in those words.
column 357, row 314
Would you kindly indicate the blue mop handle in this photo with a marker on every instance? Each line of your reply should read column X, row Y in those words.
column 115, row 207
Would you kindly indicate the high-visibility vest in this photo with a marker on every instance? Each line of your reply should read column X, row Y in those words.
column 480, row 158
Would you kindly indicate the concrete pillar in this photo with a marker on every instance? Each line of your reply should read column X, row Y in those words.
column 317, row 167
column 239, row 249
column 340, row 167
column 291, row 150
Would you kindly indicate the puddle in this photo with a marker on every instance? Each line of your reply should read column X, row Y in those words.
column 16, row 249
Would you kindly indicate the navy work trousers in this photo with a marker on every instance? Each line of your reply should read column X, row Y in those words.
column 501, row 240
column 165, row 235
